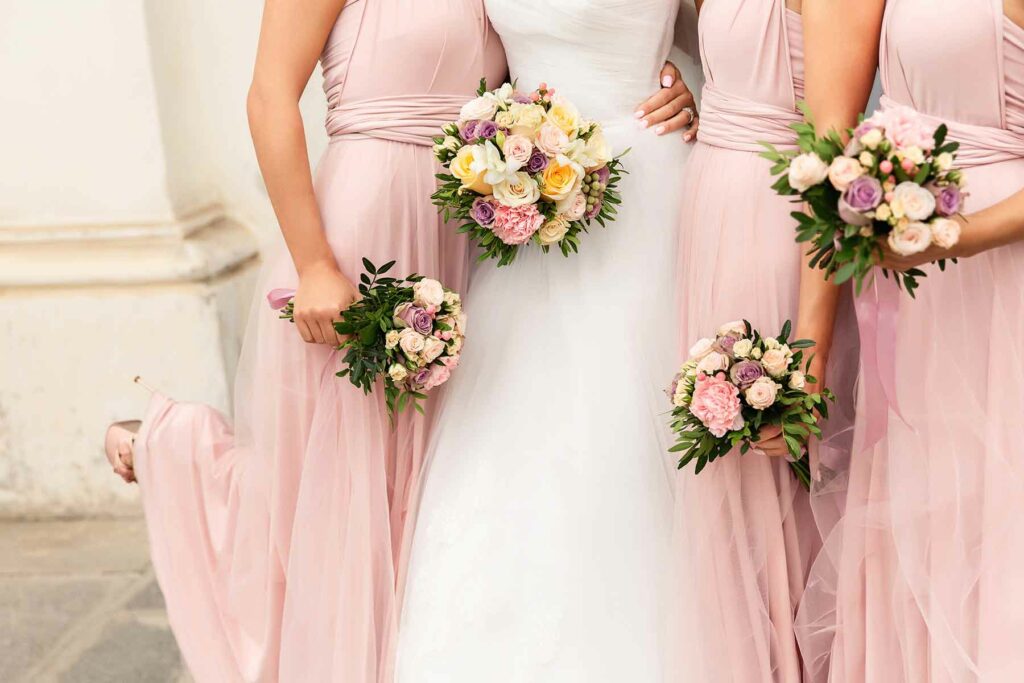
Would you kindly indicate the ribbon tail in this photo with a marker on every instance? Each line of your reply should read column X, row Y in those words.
column 279, row 298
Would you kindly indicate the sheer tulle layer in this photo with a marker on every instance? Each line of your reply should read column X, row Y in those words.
column 276, row 541
column 927, row 560
column 744, row 535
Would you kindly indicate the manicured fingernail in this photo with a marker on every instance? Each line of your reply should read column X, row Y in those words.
column 667, row 81
column 639, row 113
column 687, row 137
column 644, row 123
column 659, row 130
column 758, row 451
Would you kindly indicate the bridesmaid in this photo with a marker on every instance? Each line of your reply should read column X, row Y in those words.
column 744, row 533
column 923, row 581
column 278, row 542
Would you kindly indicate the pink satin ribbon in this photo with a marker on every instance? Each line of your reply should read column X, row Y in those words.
column 878, row 309
column 413, row 119
column 279, row 298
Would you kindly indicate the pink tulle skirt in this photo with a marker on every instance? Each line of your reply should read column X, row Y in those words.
column 744, row 532
column 278, row 538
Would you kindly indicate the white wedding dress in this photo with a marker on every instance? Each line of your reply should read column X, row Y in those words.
column 541, row 553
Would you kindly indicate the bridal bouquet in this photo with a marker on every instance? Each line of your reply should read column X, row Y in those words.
column 737, row 383
column 408, row 332
column 525, row 167
column 894, row 180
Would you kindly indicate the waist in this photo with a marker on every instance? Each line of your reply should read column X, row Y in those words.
column 979, row 145
column 413, row 119
column 738, row 123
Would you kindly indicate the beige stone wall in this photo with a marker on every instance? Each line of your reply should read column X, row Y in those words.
column 131, row 218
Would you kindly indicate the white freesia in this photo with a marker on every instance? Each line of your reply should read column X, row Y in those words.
column 595, row 152
column 913, row 201
column 488, row 161
column 806, row 171
column 945, row 233
column 910, row 239
column 520, row 190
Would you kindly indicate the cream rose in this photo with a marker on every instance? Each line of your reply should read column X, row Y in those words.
column 465, row 168
column 564, row 114
column 915, row 154
column 432, row 348
column 595, row 152
column 944, row 161
column 806, row 171
column 411, row 342
column 573, row 207
column 427, row 293
column 552, row 140
column 505, row 119
column 844, row 171
column 742, row 348
column 562, row 178
column 398, row 373
column 775, row 362
column 391, row 339
column 913, row 201
column 527, row 119
column 521, row 189
column 945, row 233
column 911, row 239
column 797, row 381
column 736, row 328
column 453, row 299
column 702, row 348
column 872, row 139
column 762, row 393
column 713, row 362
column 517, row 149
column 553, row 230
column 482, row 108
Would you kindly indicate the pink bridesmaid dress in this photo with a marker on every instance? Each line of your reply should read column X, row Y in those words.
column 278, row 540
column 744, row 533
column 923, row 578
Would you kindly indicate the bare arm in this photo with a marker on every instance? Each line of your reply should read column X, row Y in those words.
column 292, row 36
column 841, row 55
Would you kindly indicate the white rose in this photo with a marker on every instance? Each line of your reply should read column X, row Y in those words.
column 944, row 161
column 755, row 353
column 391, row 339
column 775, row 362
column 742, row 348
column 398, row 373
column 915, row 154
column 552, row 140
column 797, row 381
column 521, row 189
column 427, row 293
column 479, row 109
column 702, row 348
column 527, row 119
column 883, row 212
column 505, row 119
column 713, row 362
column 945, row 233
column 914, row 202
column 736, row 328
column 411, row 342
column 844, row 171
column 806, row 171
column 553, row 230
column 573, row 207
column 504, row 94
column 432, row 348
column 872, row 139
column 761, row 394
column 867, row 159
column 911, row 239
column 517, row 149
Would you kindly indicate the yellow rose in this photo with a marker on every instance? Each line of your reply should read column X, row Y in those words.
column 564, row 115
column 527, row 119
column 462, row 168
column 554, row 230
column 561, row 178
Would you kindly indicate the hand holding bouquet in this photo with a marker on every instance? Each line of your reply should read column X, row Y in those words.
column 525, row 168
column 408, row 332
column 737, row 383
column 895, row 180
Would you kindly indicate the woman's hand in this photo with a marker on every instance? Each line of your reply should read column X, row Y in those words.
column 973, row 240
column 770, row 442
column 672, row 108
column 323, row 295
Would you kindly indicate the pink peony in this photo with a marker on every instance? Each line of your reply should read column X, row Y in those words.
column 905, row 128
column 716, row 403
column 516, row 224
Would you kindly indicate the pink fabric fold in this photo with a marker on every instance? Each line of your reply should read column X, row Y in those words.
column 413, row 120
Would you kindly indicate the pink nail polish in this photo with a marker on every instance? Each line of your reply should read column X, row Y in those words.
column 644, row 124
column 639, row 113
column 667, row 81
column 659, row 130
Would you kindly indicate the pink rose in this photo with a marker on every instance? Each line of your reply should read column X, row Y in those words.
column 516, row 224
column 552, row 140
column 439, row 374
column 762, row 393
column 518, row 149
column 716, row 403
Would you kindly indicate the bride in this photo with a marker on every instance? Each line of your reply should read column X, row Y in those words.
column 542, row 546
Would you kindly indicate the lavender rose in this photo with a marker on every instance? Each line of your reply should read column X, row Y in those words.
column 486, row 129
column 419, row 378
column 415, row 317
column 725, row 344
column 521, row 98
column 947, row 200
column 468, row 131
column 863, row 195
column 745, row 373
column 537, row 163
column 482, row 212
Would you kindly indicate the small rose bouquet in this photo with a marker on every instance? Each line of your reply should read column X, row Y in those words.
column 407, row 332
column 895, row 180
column 525, row 167
column 737, row 383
